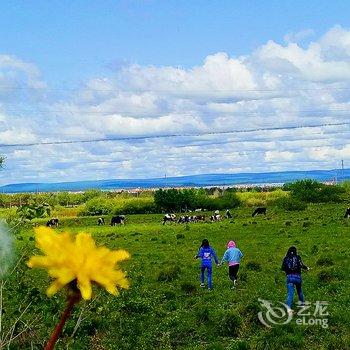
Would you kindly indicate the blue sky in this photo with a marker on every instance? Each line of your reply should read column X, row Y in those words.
column 73, row 40
column 80, row 70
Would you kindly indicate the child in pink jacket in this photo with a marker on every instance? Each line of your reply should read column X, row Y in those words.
column 233, row 257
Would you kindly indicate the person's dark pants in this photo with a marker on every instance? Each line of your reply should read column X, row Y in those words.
column 293, row 280
column 232, row 272
column 209, row 271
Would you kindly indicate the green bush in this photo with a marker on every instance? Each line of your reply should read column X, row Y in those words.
column 312, row 191
column 290, row 204
column 136, row 207
column 190, row 199
column 97, row 206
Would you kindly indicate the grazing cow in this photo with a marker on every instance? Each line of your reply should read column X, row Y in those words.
column 182, row 219
column 169, row 217
column 347, row 213
column 118, row 220
column 52, row 223
column 193, row 218
column 259, row 210
column 228, row 214
column 186, row 219
column 100, row 221
column 200, row 217
column 215, row 217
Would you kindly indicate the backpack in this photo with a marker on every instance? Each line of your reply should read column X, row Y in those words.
column 292, row 263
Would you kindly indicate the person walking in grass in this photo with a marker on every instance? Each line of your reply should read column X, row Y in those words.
column 233, row 257
column 206, row 253
column 292, row 265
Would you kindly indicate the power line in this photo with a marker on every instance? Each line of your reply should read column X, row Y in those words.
column 131, row 138
column 133, row 114
column 175, row 90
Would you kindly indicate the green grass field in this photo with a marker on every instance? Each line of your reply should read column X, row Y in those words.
column 166, row 309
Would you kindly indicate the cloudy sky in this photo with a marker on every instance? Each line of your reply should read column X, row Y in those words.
column 160, row 87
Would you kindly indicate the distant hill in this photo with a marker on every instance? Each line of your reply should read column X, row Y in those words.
column 181, row 181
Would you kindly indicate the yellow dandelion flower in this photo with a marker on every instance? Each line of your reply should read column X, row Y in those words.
column 78, row 259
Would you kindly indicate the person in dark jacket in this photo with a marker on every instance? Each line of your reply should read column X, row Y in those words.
column 292, row 266
column 206, row 253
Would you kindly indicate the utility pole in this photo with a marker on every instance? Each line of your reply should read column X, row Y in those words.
column 342, row 170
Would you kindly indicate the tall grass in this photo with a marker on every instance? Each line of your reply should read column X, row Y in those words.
column 253, row 199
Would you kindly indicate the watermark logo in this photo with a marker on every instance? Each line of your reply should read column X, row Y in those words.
column 274, row 314
column 308, row 314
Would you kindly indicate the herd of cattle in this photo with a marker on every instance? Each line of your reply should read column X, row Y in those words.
column 184, row 219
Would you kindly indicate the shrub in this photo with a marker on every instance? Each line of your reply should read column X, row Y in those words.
column 312, row 191
column 240, row 345
column 243, row 277
column 314, row 249
column 216, row 346
column 202, row 313
column 230, row 324
column 257, row 199
column 325, row 276
column 169, row 274
column 325, row 261
column 253, row 266
column 169, row 295
column 188, row 287
column 346, row 186
column 136, row 206
column 290, row 204
column 178, row 200
column 106, row 206
column 97, row 206
column 306, row 224
column 139, row 306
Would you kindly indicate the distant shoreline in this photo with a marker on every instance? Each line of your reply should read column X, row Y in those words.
column 238, row 180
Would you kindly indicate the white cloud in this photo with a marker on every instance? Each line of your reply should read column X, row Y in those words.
column 276, row 85
column 294, row 37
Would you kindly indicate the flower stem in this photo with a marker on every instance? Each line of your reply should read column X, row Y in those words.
column 71, row 301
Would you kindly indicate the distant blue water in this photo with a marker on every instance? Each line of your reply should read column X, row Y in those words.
column 181, row 181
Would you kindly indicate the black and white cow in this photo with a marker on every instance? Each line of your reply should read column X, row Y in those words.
column 347, row 213
column 200, row 217
column 215, row 217
column 52, row 223
column 182, row 219
column 100, row 221
column 187, row 219
column 259, row 210
column 118, row 220
column 169, row 217
column 228, row 214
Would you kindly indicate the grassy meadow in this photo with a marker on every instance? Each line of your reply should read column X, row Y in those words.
column 165, row 308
